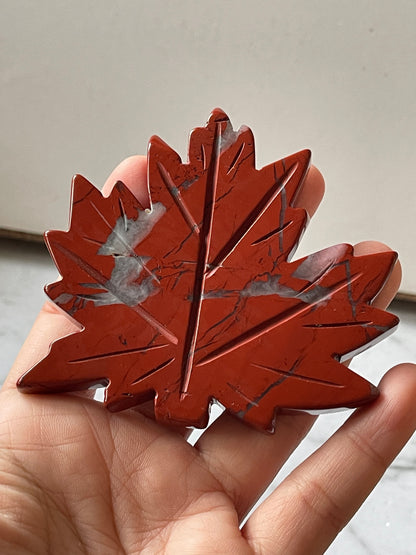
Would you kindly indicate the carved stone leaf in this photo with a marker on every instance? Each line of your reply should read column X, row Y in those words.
column 193, row 298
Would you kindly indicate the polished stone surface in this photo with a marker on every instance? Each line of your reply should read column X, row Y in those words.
column 385, row 525
column 193, row 296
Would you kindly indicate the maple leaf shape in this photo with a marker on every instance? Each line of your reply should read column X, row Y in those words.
column 193, row 298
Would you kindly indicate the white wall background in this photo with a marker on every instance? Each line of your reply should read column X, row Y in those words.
column 84, row 84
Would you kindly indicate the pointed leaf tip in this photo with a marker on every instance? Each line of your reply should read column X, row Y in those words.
column 81, row 187
column 218, row 115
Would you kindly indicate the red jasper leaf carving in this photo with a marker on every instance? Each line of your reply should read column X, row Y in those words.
column 194, row 297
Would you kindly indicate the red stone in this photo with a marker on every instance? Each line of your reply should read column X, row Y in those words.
column 192, row 298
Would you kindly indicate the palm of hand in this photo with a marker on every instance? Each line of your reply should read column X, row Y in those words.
column 110, row 483
column 77, row 479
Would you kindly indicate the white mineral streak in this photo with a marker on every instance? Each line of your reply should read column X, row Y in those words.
column 318, row 263
column 63, row 298
column 127, row 234
column 272, row 287
column 122, row 286
column 229, row 136
column 260, row 288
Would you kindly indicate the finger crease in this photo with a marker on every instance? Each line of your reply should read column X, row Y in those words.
column 365, row 447
column 314, row 496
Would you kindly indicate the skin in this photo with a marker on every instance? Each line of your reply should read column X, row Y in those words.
column 75, row 478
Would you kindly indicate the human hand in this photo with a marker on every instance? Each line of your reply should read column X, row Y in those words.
column 78, row 479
